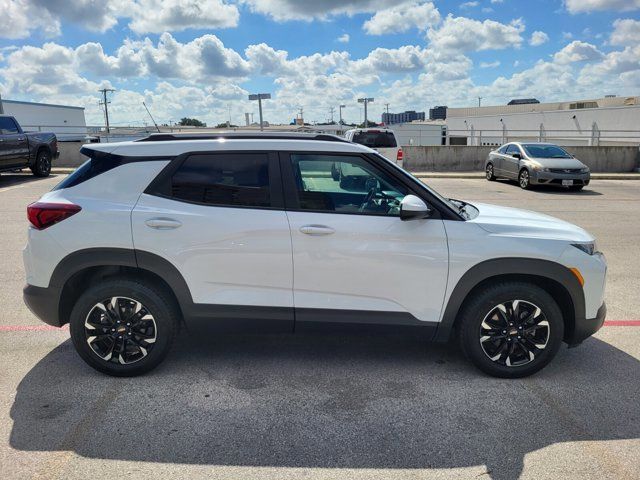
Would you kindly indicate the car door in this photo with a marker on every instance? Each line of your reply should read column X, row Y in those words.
column 354, row 260
column 511, row 164
column 498, row 159
column 14, row 149
column 219, row 219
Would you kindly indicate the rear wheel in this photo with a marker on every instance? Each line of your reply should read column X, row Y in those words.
column 511, row 330
column 489, row 172
column 524, row 179
column 42, row 167
column 122, row 327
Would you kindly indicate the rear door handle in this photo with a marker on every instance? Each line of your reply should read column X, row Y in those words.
column 162, row 223
column 316, row 230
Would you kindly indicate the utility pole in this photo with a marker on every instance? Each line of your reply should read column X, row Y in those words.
column 259, row 97
column 479, row 100
column 152, row 119
column 331, row 110
column 105, row 102
column 229, row 122
column 387, row 107
column 1, row 107
column 301, row 114
column 341, row 107
column 366, row 101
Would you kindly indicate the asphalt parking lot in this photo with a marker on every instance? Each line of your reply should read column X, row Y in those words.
column 280, row 407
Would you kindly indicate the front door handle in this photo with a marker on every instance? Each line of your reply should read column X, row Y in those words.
column 163, row 223
column 316, row 230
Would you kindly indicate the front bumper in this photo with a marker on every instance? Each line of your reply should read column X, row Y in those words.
column 539, row 177
column 43, row 303
column 586, row 327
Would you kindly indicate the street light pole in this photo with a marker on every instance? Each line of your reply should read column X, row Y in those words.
column 366, row 101
column 259, row 97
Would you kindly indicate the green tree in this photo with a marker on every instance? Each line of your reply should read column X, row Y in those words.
column 191, row 122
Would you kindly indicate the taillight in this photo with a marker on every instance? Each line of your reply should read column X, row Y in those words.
column 400, row 155
column 42, row 215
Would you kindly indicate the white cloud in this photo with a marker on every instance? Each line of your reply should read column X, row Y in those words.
column 538, row 38
column 284, row 10
column 464, row 34
column 625, row 32
column 344, row 38
column 157, row 16
column 403, row 17
column 22, row 17
column 577, row 51
column 490, row 64
column 578, row 6
column 497, row 1
column 469, row 4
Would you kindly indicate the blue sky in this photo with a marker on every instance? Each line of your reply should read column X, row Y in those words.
column 201, row 58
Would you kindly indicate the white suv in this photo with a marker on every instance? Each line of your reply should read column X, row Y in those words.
column 253, row 232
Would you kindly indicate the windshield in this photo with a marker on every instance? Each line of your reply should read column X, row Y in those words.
column 545, row 151
column 375, row 139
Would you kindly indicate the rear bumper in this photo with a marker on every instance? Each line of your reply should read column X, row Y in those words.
column 584, row 328
column 43, row 303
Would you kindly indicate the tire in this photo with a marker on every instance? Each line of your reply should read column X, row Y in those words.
column 576, row 188
column 489, row 172
column 147, row 341
column 525, row 348
column 42, row 167
column 524, row 179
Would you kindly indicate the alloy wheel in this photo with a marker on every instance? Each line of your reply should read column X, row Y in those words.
column 514, row 333
column 489, row 172
column 120, row 330
column 524, row 179
column 44, row 163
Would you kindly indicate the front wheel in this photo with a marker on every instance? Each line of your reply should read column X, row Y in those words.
column 511, row 330
column 122, row 327
column 42, row 167
column 490, row 173
column 524, row 179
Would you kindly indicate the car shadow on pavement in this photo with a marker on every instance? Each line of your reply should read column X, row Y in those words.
column 11, row 179
column 326, row 402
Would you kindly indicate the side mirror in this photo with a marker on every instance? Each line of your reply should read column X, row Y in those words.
column 516, row 155
column 414, row 208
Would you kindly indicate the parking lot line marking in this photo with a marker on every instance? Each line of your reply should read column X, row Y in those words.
column 622, row 323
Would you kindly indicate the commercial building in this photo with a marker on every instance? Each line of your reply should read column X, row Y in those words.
column 438, row 113
column 603, row 121
column 63, row 120
column 404, row 117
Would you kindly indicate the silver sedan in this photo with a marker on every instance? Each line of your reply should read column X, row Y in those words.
column 537, row 164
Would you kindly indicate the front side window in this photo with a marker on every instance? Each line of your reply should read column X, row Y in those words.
column 345, row 184
column 225, row 179
column 503, row 149
column 511, row 149
column 8, row 126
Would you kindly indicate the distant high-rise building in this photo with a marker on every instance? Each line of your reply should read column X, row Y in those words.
column 438, row 113
column 405, row 117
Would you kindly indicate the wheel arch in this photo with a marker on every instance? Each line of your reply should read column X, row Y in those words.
column 552, row 277
column 86, row 267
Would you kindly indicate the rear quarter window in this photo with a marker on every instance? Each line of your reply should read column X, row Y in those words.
column 373, row 139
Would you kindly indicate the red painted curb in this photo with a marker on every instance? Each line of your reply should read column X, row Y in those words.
column 622, row 323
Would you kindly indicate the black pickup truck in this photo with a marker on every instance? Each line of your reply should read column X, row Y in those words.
column 18, row 149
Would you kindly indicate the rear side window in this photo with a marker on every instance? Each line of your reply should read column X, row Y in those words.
column 226, row 179
column 8, row 125
column 375, row 139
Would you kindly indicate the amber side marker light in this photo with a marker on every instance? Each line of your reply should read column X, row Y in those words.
column 578, row 275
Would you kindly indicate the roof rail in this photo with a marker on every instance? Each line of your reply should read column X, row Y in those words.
column 166, row 137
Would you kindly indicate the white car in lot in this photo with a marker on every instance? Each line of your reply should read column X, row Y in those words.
column 382, row 140
column 252, row 232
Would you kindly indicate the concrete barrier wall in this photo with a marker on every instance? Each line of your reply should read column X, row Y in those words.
column 453, row 158
column 70, row 155
column 448, row 158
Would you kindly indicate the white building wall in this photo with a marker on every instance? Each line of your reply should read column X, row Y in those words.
column 590, row 126
column 418, row 134
column 59, row 119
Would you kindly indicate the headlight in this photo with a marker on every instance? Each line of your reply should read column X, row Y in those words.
column 584, row 170
column 588, row 248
